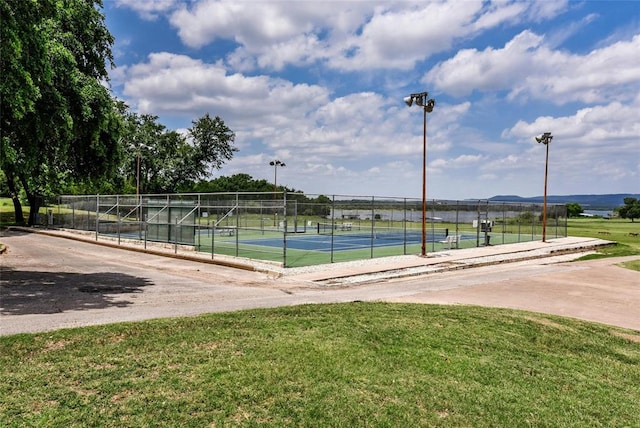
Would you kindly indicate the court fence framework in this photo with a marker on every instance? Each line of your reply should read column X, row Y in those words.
column 295, row 229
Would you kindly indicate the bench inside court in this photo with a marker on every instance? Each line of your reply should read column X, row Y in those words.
column 227, row 231
column 451, row 240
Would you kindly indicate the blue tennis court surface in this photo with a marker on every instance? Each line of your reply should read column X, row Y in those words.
column 327, row 243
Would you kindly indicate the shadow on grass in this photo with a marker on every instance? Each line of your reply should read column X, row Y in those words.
column 35, row 292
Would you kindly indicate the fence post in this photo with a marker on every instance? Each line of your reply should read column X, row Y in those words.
column 333, row 216
column 198, row 213
column 504, row 221
column 140, row 214
column 486, row 225
column 519, row 221
column 237, row 224
column 97, row 215
column 175, row 241
column 457, row 223
column 373, row 221
column 213, row 237
column 169, row 226
column 404, row 226
column 73, row 215
column 533, row 223
column 284, row 235
column 433, row 229
column 478, row 226
column 118, row 217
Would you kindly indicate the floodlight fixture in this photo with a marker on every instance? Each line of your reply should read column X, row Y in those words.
column 544, row 138
column 430, row 105
column 420, row 99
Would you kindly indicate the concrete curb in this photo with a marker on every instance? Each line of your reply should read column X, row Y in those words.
column 456, row 260
column 409, row 272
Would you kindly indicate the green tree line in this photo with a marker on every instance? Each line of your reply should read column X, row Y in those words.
column 63, row 131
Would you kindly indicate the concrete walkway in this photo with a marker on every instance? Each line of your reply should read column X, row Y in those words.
column 47, row 283
column 403, row 266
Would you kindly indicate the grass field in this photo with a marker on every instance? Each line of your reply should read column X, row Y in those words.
column 622, row 231
column 357, row 364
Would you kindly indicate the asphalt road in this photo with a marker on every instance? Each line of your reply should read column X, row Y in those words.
column 47, row 283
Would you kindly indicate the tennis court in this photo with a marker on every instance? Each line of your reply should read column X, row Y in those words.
column 301, row 230
column 326, row 239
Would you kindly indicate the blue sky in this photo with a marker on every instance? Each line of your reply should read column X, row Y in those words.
column 319, row 85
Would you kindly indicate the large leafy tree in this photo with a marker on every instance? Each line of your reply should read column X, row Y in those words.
column 150, row 151
column 211, row 145
column 574, row 209
column 630, row 209
column 162, row 161
column 59, row 122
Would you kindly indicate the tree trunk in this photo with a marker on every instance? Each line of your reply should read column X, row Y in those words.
column 17, row 206
column 34, row 200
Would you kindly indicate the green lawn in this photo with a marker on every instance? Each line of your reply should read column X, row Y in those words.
column 620, row 231
column 355, row 364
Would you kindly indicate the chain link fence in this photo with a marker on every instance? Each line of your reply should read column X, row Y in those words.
column 294, row 229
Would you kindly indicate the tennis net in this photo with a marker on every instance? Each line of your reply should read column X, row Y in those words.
column 401, row 234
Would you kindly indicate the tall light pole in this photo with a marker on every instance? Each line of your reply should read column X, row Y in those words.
column 275, row 164
column 427, row 106
column 545, row 139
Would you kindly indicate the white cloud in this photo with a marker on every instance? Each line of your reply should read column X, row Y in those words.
column 170, row 83
column 149, row 9
column 540, row 11
column 253, row 25
column 343, row 35
column 403, row 36
column 527, row 67
column 400, row 38
column 596, row 145
column 588, row 126
column 500, row 12
column 558, row 35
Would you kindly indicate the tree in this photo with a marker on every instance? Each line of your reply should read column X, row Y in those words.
column 631, row 209
column 213, row 143
column 235, row 183
column 152, row 153
column 59, row 123
column 162, row 161
column 574, row 209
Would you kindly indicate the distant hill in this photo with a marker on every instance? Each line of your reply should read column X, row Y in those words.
column 590, row 202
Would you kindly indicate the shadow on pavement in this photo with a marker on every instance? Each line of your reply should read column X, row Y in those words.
column 36, row 292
